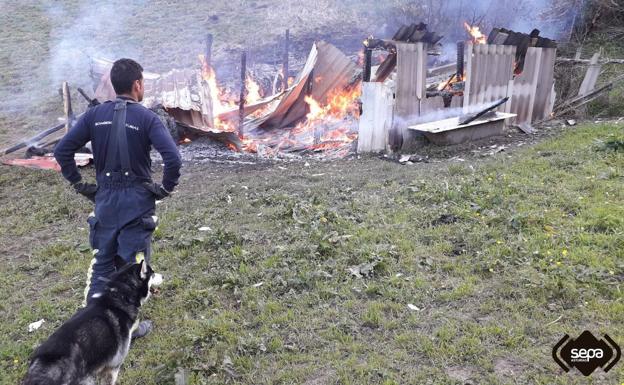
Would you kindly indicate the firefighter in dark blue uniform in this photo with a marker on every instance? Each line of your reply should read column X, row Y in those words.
column 121, row 134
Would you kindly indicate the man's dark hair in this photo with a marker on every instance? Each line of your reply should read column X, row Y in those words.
column 124, row 73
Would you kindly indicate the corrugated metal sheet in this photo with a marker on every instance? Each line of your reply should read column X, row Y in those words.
column 533, row 88
column 489, row 68
column 183, row 93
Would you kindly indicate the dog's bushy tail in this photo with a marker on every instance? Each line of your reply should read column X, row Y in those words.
column 40, row 373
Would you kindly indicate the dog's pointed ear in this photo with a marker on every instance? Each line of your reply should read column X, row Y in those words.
column 143, row 269
column 119, row 262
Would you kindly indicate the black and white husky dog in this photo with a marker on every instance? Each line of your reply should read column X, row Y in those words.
column 93, row 344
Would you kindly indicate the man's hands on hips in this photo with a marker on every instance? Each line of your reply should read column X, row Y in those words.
column 86, row 189
column 157, row 189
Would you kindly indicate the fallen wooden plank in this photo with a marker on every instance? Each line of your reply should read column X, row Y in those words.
column 47, row 162
column 591, row 76
column 243, row 94
column 588, row 61
column 581, row 100
column 33, row 140
column 526, row 128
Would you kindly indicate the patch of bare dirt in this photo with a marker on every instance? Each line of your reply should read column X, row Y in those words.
column 505, row 368
column 322, row 377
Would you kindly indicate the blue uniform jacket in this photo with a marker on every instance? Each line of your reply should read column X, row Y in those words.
column 143, row 129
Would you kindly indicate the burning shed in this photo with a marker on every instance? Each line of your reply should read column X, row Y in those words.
column 318, row 111
column 505, row 65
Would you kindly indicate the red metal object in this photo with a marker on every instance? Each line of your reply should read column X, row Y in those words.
column 47, row 162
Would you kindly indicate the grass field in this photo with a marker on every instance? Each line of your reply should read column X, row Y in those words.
column 499, row 258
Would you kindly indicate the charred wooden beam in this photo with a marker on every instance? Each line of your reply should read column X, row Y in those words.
column 372, row 43
column 208, row 54
column 493, row 33
column 472, row 117
column 460, row 60
column 243, row 92
column 285, row 61
column 67, row 107
column 416, row 36
column 400, row 34
column 92, row 102
column 386, row 67
column 33, row 140
column 368, row 58
column 447, row 96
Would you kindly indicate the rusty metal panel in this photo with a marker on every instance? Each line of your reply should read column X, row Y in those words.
column 182, row 93
column 326, row 69
column 47, row 162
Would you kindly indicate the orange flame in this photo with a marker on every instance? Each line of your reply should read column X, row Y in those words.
column 339, row 104
column 477, row 36
column 221, row 101
column 254, row 93
column 328, row 127
column 448, row 84
column 329, row 124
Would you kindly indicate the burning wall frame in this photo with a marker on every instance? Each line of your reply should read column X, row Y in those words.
column 489, row 76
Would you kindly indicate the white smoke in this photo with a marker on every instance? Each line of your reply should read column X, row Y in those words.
column 97, row 29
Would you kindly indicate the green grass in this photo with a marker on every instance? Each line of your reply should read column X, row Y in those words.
column 539, row 237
